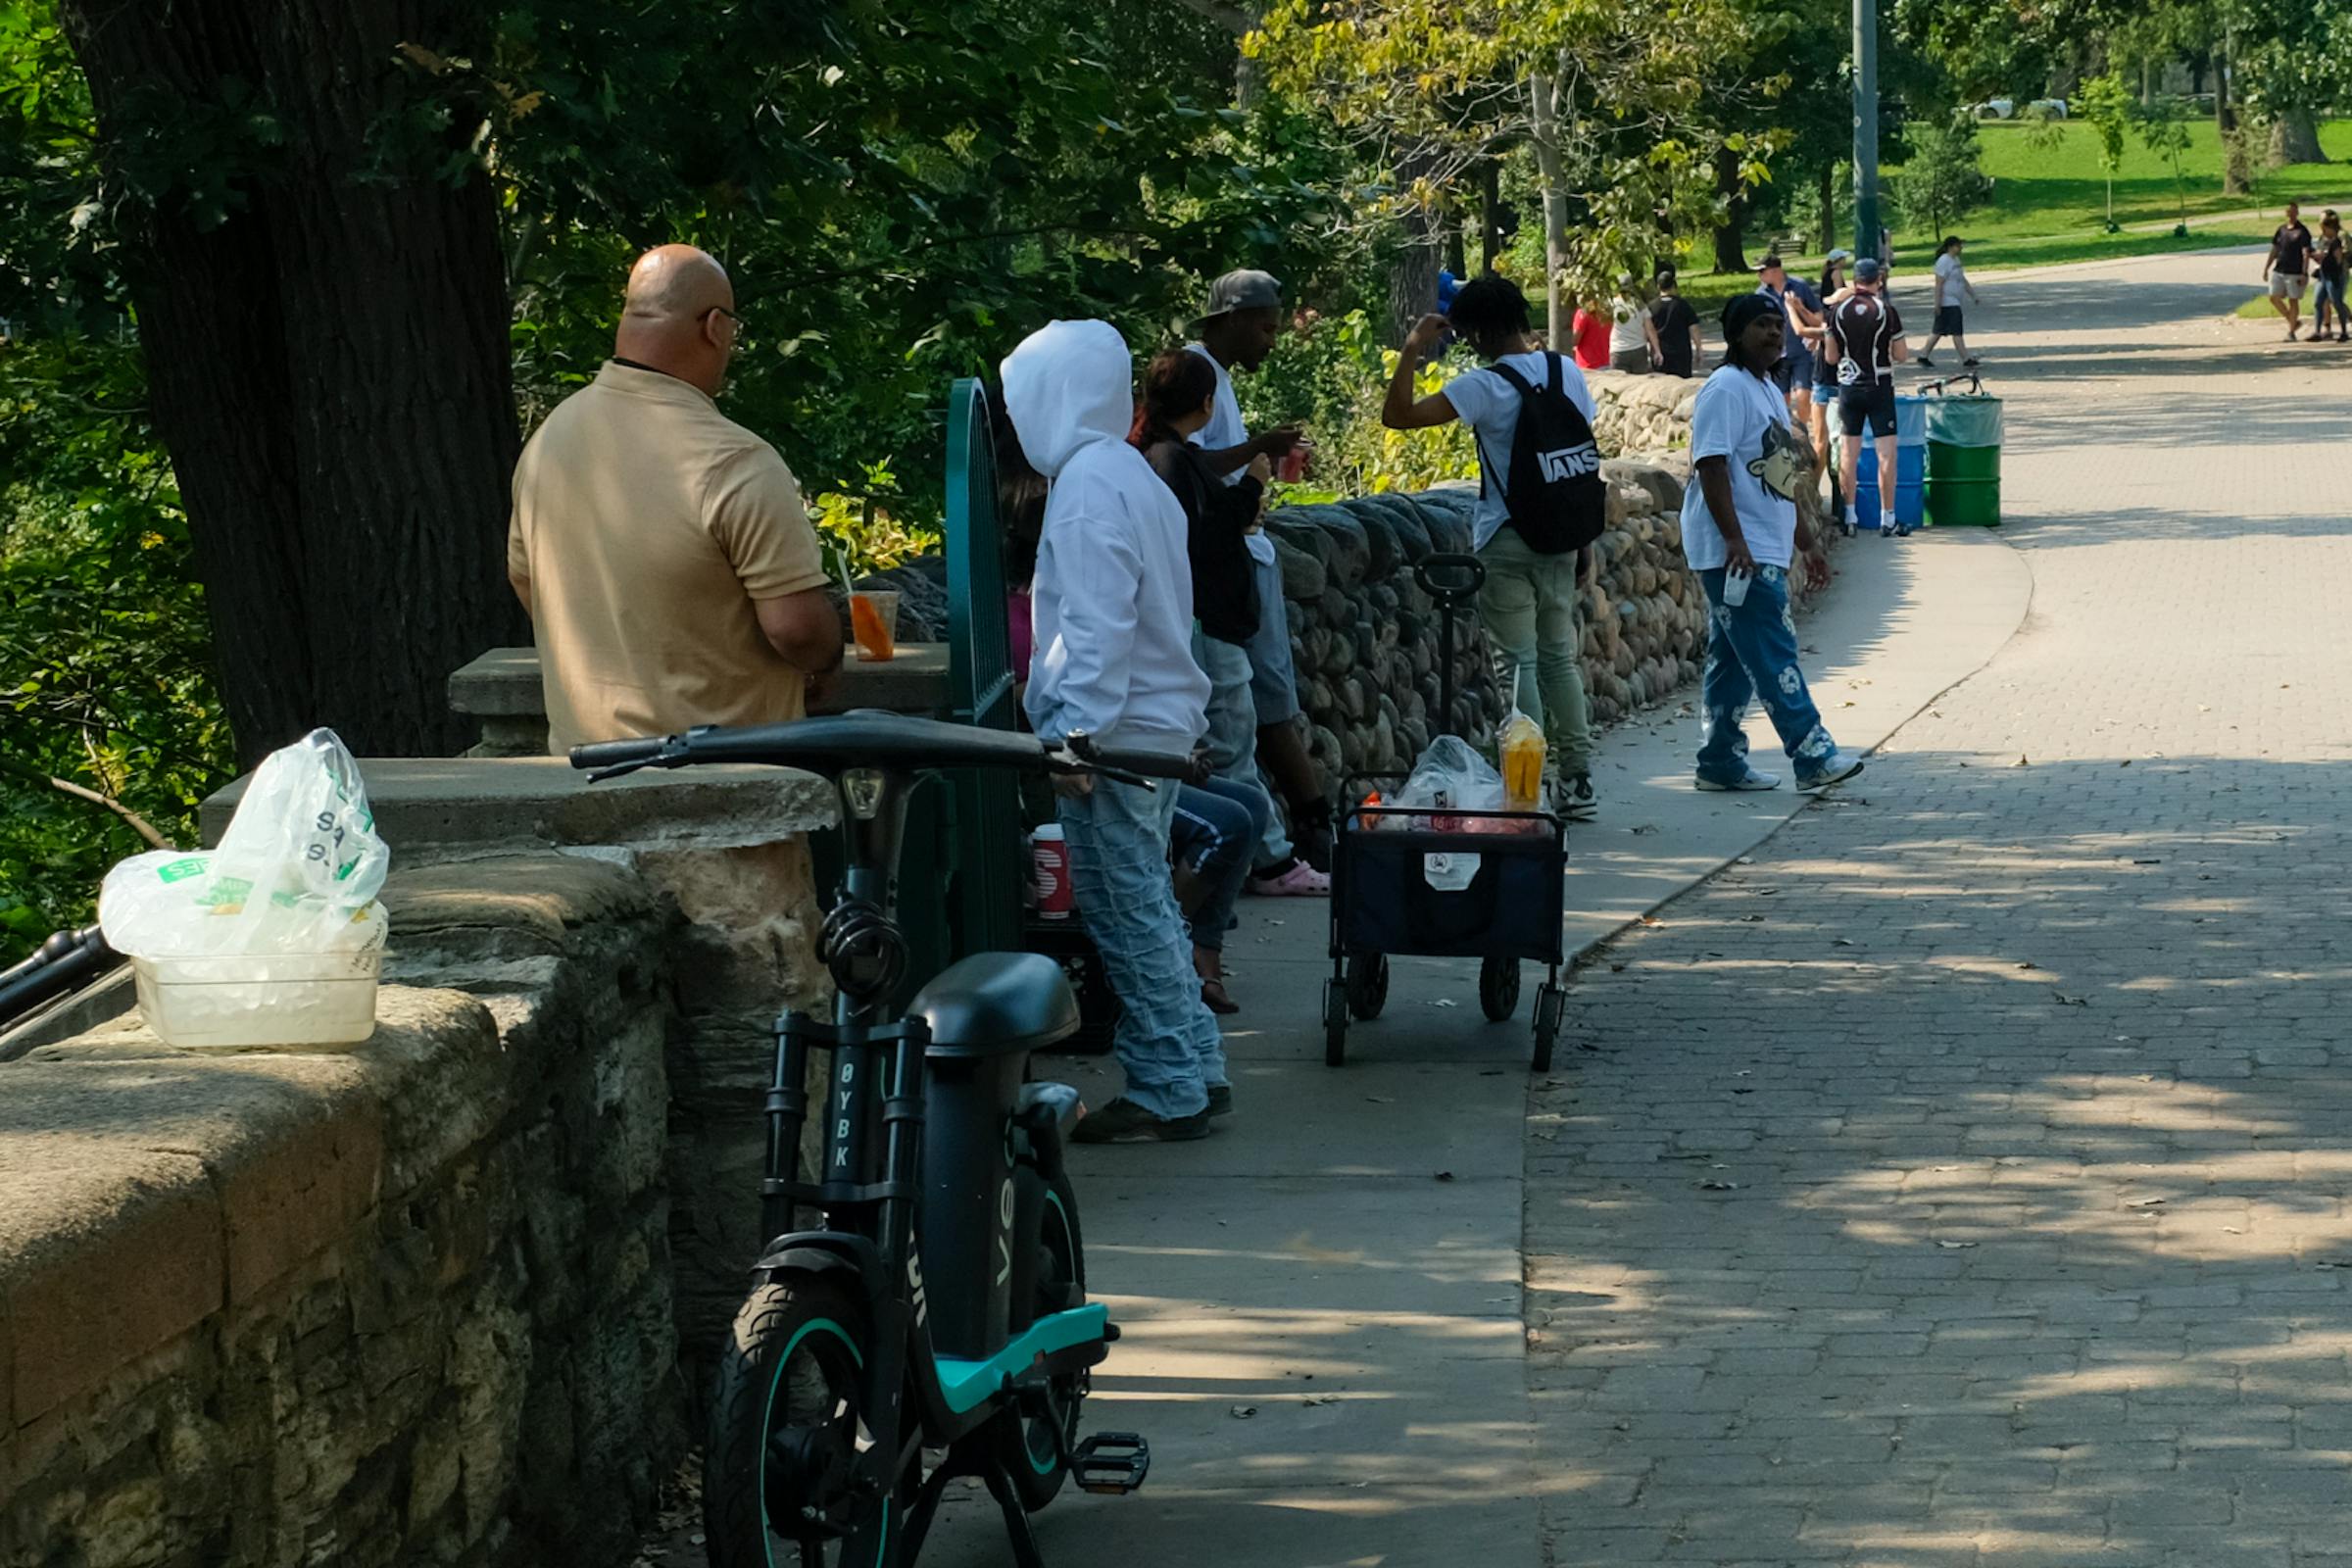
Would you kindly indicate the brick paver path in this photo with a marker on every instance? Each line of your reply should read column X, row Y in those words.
column 1963, row 1180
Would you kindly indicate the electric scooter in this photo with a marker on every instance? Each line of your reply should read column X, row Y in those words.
column 939, row 1301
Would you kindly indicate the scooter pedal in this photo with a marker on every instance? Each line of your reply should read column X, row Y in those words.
column 1111, row 1463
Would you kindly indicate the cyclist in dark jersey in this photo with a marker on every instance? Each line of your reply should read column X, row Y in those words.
column 1867, row 336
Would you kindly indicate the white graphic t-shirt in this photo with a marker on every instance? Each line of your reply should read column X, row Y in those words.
column 1742, row 419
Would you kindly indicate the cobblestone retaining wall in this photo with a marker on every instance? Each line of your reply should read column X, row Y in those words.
column 404, row 1302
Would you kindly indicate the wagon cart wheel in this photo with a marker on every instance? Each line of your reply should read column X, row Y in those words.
column 1367, row 983
column 1335, row 1025
column 1552, row 1006
column 1498, row 988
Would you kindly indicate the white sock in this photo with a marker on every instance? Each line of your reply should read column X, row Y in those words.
column 1886, row 521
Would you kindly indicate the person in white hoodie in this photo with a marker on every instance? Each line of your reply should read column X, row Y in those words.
column 1111, row 618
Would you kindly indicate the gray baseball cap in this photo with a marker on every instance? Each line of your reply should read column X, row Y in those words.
column 1245, row 290
column 1841, row 254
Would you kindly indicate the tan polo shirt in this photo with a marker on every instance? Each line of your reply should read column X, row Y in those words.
column 647, row 524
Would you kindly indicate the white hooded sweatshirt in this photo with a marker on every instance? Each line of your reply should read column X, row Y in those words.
column 1111, row 607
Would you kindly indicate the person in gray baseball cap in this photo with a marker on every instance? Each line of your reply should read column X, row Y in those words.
column 1253, row 735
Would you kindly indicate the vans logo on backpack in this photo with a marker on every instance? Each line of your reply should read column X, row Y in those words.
column 1553, row 492
column 1569, row 462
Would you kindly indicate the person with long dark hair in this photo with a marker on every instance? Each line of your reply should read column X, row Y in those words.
column 1219, row 819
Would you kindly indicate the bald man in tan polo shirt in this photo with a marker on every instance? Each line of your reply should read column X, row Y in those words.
column 661, row 550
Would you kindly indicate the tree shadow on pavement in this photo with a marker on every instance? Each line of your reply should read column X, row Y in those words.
column 1949, row 1190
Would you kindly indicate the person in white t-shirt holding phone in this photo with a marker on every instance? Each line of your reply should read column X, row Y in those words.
column 1951, row 281
column 1742, row 533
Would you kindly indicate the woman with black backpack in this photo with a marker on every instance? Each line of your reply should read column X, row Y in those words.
column 1541, row 503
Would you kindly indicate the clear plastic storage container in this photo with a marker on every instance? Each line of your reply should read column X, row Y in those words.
column 284, row 999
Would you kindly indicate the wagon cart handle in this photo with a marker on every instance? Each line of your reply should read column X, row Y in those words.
column 1452, row 580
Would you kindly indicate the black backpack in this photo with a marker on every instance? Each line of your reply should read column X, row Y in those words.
column 1553, row 491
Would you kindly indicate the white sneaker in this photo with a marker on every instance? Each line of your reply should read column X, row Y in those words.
column 1755, row 780
column 1842, row 765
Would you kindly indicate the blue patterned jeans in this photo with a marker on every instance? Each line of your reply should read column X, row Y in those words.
column 1168, row 1042
column 1751, row 653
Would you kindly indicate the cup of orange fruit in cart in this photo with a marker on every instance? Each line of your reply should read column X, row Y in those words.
column 874, row 624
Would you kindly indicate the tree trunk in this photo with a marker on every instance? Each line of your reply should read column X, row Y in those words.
column 1413, row 268
column 1489, row 213
column 1829, row 208
column 328, row 365
column 1457, row 243
column 2295, row 139
column 1731, row 235
column 2237, row 179
column 1544, row 109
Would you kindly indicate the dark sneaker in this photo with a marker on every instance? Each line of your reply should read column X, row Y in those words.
column 1123, row 1122
column 1220, row 1099
column 1972, row 361
column 1930, row 364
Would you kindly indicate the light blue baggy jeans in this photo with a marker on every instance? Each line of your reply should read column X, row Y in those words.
column 1167, row 1041
column 1232, row 718
column 1751, row 653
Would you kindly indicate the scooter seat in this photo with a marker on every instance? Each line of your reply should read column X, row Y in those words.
column 992, row 1003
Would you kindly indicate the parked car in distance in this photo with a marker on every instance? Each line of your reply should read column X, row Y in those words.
column 1994, row 108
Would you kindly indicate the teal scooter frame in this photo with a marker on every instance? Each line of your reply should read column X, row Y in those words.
column 932, row 1296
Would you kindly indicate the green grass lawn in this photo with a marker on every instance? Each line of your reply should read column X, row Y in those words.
column 2049, row 205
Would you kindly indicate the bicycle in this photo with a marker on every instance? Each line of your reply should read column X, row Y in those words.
column 939, row 1303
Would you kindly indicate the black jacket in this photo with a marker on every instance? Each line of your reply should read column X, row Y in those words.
column 1218, row 514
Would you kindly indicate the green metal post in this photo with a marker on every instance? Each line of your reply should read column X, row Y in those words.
column 990, row 850
column 1866, row 127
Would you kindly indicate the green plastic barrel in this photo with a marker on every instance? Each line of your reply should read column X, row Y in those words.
column 1964, row 461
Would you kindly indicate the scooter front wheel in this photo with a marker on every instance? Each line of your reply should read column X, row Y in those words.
column 787, row 1427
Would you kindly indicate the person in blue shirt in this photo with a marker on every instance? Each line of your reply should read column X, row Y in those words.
column 1801, row 305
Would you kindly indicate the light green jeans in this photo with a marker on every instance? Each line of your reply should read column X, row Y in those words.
column 1529, row 607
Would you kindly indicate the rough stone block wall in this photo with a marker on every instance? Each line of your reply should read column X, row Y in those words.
column 1366, row 638
column 405, row 1303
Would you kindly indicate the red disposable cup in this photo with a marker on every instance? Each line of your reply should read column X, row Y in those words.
column 1049, row 860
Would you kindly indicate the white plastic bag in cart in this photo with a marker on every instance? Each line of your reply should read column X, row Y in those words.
column 1449, row 776
column 297, row 871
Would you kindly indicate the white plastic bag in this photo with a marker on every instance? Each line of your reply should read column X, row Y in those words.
column 1450, row 777
column 297, row 871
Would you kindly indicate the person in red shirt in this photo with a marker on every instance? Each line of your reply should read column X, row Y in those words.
column 1590, row 329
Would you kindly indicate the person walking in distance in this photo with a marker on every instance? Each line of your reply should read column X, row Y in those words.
column 1867, row 336
column 1794, row 296
column 2287, row 266
column 1633, row 335
column 1540, row 506
column 1675, row 325
column 1831, row 292
column 2328, row 267
column 1951, row 281
column 1741, row 534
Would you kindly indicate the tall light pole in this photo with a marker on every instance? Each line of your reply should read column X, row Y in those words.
column 1866, row 127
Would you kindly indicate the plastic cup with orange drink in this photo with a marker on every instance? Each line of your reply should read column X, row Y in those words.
column 874, row 624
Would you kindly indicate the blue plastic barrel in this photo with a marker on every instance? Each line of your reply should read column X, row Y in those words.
column 1910, row 481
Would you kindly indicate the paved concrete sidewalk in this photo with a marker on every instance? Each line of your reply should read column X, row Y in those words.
column 1323, row 1307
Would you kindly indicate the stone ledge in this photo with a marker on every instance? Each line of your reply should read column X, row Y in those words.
column 441, row 808
column 278, row 1296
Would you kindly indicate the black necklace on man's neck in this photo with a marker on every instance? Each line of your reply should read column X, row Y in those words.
column 639, row 364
